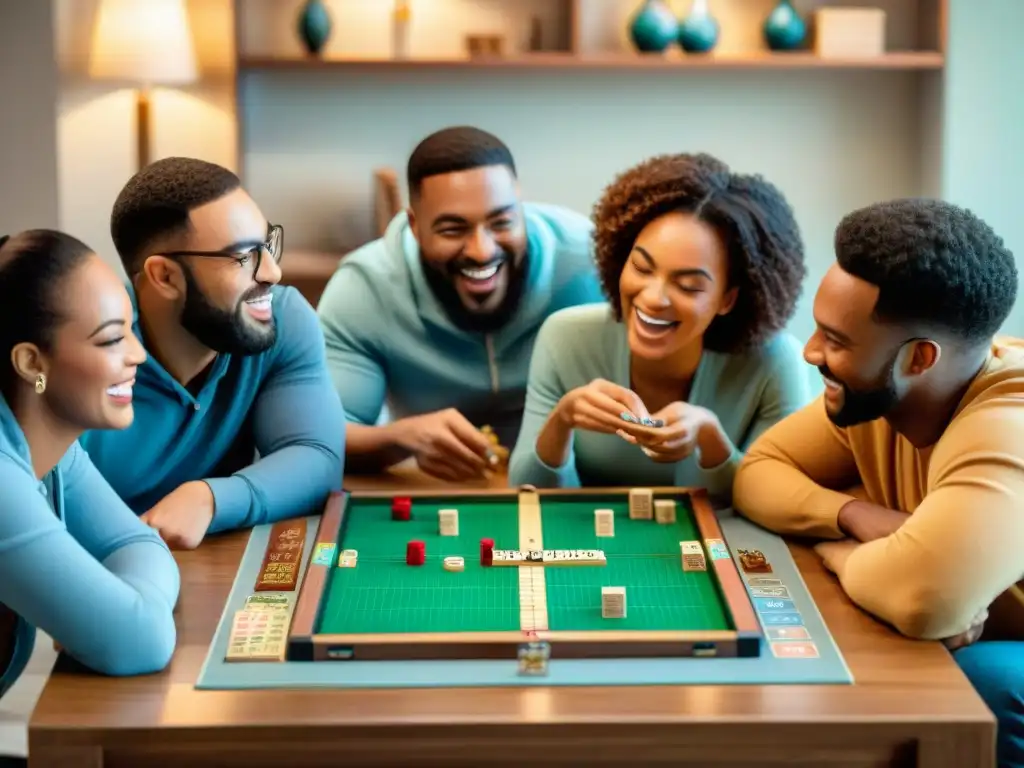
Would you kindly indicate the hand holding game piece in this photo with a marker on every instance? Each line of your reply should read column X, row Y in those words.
column 602, row 406
column 446, row 445
column 183, row 516
column 684, row 425
column 497, row 455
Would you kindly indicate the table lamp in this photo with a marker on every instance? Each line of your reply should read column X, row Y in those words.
column 147, row 43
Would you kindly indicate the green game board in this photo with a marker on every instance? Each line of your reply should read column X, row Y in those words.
column 384, row 595
column 643, row 557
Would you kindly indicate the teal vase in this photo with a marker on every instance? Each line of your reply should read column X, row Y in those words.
column 784, row 30
column 698, row 32
column 654, row 28
column 314, row 26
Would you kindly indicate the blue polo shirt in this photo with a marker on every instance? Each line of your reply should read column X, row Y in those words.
column 280, row 404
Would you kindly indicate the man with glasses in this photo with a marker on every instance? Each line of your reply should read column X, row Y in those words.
column 235, row 364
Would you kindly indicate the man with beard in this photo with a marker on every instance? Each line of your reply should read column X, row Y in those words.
column 437, row 319
column 235, row 364
column 914, row 457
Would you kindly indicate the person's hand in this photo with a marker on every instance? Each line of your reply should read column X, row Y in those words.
column 599, row 407
column 865, row 521
column 446, row 445
column 183, row 516
column 834, row 554
column 970, row 636
column 684, row 427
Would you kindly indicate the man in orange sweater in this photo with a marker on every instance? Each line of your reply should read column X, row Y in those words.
column 913, row 459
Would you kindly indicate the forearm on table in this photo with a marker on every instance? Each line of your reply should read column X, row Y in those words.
column 293, row 480
column 933, row 576
column 781, row 498
column 866, row 521
column 370, row 449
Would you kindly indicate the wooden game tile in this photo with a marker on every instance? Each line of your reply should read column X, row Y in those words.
column 693, row 556
column 280, row 569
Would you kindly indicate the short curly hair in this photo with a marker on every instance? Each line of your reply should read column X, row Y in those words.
column 937, row 266
column 157, row 202
column 766, row 251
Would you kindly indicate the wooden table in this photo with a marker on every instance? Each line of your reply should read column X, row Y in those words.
column 910, row 706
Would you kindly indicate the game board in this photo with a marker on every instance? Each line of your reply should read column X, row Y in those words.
column 340, row 588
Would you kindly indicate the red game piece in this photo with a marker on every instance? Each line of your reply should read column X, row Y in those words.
column 486, row 551
column 415, row 553
column 401, row 508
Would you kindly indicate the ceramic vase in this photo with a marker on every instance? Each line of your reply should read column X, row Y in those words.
column 654, row 28
column 784, row 30
column 314, row 26
column 698, row 32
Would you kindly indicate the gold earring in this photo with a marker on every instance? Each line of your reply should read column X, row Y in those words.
column 40, row 384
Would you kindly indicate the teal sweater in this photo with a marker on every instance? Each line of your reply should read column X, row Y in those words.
column 279, row 404
column 748, row 392
column 78, row 564
column 389, row 341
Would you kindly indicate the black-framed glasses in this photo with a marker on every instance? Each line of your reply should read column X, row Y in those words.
column 273, row 247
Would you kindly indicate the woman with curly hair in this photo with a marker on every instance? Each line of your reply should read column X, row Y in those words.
column 688, row 363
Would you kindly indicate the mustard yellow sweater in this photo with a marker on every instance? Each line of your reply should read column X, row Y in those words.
column 963, row 545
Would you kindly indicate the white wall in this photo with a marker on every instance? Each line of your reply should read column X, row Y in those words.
column 28, row 138
column 830, row 141
column 983, row 120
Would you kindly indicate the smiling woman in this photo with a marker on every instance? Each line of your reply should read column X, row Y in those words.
column 688, row 363
column 74, row 560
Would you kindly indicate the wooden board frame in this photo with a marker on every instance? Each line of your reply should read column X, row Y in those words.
column 305, row 644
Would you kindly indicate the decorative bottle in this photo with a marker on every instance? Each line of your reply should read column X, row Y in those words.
column 314, row 26
column 654, row 27
column 784, row 30
column 698, row 32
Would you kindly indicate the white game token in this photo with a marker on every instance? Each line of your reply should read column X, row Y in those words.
column 454, row 564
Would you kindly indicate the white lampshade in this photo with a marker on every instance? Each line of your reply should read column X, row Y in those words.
column 143, row 41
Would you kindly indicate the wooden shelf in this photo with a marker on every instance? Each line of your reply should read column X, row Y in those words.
column 896, row 60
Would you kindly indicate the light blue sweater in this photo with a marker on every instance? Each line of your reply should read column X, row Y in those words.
column 747, row 392
column 279, row 404
column 77, row 563
column 390, row 342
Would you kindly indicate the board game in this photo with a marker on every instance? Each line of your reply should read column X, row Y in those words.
column 385, row 587
column 548, row 567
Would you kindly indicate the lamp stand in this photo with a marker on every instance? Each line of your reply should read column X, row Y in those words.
column 142, row 127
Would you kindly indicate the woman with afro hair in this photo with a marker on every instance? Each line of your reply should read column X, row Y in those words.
column 687, row 364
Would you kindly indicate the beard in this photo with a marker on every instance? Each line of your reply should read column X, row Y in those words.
column 222, row 330
column 441, row 280
column 860, row 406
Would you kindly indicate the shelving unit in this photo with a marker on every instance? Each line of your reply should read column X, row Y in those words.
column 898, row 60
column 590, row 34
column 312, row 129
